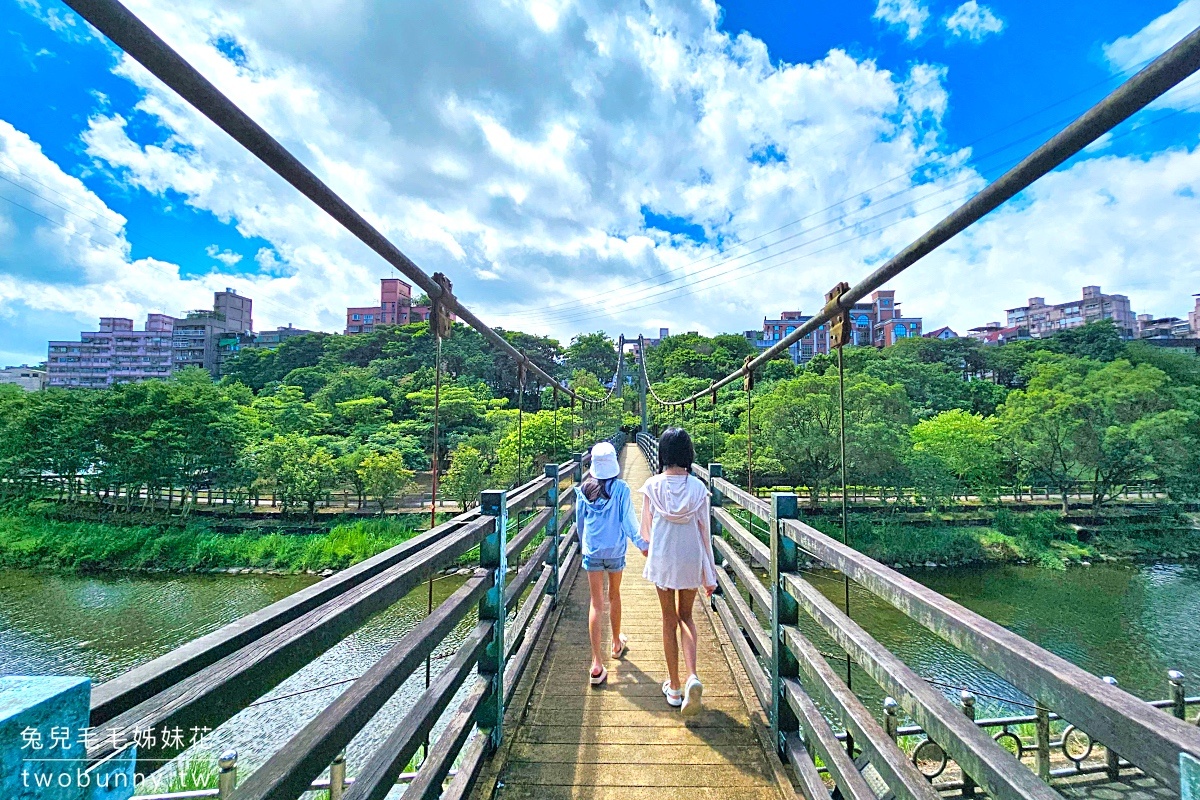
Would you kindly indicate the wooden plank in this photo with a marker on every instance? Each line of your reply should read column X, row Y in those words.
column 140, row 683
column 532, row 568
column 822, row 739
column 634, row 754
column 1146, row 736
column 535, row 524
column 433, row 770
column 473, row 756
column 682, row 776
column 519, row 660
column 745, row 575
column 896, row 769
column 563, row 732
column 754, row 670
column 220, row 690
column 744, row 614
column 303, row 757
column 809, row 780
column 995, row 769
column 377, row 777
column 593, row 792
column 760, row 552
column 514, row 634
column 757, row 507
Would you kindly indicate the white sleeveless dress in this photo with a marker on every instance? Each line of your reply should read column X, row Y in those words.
column 681, row 555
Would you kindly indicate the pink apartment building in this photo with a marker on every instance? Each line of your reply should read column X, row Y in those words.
column 395, row 308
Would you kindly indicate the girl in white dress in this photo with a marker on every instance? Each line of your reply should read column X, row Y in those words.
column 675, row 520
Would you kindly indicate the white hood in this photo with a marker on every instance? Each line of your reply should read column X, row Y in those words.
column 677, row 498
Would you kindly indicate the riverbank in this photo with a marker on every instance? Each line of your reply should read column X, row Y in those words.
column 1042, row 538
column 33, row 540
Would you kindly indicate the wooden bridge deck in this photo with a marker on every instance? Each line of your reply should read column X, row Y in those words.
column 622, row 741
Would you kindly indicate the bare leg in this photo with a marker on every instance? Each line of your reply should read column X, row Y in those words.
column 614, row 606
column 670, row 619
column 687, row 628
column 596, row 618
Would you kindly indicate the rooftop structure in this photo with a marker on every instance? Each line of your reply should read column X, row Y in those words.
column 31, row 379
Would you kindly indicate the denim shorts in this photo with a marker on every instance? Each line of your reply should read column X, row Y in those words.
column 595, row 564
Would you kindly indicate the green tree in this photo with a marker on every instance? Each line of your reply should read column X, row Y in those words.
column 384, row 476
column 958, row 445
column 592, row 352
column 467, row 476
column 302, row 470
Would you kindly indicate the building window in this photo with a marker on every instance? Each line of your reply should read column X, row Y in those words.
column 355, row 317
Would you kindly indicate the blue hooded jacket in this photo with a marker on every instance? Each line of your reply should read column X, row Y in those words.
column 605, row 524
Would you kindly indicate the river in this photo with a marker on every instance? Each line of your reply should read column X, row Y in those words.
column 1133, row 622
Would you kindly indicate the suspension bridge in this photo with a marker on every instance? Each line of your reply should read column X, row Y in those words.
column 509, row 714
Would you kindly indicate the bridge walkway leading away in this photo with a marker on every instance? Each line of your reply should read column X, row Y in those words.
column 621, row 741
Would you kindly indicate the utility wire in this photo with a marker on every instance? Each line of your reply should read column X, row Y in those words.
column 975, row 159
column 1162, row 74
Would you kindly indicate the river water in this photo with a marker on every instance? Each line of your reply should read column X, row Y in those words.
column 1131, row 622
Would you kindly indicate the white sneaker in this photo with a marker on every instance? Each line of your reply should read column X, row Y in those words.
column 693, row 697
column 674, row 696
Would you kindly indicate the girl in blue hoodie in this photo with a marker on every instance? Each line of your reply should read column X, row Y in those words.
column 604, row 519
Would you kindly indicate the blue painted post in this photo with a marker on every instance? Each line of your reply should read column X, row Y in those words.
column 717, row 499
column 784, row 611
column 493, row 556
column 1189, row 777
column 44, row 731
column 552, row 554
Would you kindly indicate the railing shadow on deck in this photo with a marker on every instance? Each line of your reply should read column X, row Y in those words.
column 864, row 759
column 526, row 544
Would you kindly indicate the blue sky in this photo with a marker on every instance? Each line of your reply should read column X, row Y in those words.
column 549, row 154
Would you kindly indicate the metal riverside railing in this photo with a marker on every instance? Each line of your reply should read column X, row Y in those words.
column 762, row 591
column 527, row 547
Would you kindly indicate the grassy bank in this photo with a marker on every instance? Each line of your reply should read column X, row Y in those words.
column 1039, row 537
column 34, row 541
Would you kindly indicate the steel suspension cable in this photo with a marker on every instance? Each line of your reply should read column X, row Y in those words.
column 1166, row 71
column 845, row 517
column 129, row 33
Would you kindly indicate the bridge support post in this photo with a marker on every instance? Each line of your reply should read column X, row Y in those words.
column 968, row 709
column 577, row 475
column 1178, row 701
column 552, row 526
column 716, row 500
column 493, row 557
column 784, row 611
column 1042, row 741
column 1112, row 760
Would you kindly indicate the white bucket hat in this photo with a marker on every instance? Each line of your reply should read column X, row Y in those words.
column 604, row 462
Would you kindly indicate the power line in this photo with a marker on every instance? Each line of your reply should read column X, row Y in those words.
column 924, row 165
column 1165, row 72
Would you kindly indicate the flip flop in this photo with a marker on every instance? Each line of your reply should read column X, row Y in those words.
column 623, row 641
column 598, row 679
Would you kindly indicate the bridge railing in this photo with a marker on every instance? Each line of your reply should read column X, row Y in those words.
column 526, row 547
column 761, row 595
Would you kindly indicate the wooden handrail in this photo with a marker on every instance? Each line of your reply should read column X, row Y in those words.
column 1141, row 733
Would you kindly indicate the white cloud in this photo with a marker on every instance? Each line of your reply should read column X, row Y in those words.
column 973, row 21
column 226, row 257
column 1134, row 51
column 909, row 15
column 514, row 146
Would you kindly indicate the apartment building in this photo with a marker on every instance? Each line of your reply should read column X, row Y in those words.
column 116, row 353
column 1042, row 319
column 879, row 323
column 395, row 308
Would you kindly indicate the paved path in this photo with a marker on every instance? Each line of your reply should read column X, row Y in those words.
column 622, row 741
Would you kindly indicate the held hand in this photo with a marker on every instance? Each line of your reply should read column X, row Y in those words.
column 709, row 590
column 646, row 552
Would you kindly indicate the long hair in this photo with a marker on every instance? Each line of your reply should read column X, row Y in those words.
column 592, row 487
column 675, row 449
